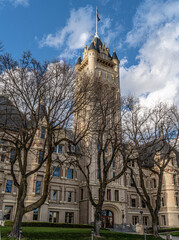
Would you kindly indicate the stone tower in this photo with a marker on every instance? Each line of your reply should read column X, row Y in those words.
column 97, row 61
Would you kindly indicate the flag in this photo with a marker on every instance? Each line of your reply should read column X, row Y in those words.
column 97, row 15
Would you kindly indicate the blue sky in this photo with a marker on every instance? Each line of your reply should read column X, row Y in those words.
column 145, row 34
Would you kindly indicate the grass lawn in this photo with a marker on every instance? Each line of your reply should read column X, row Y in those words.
column 69, row 234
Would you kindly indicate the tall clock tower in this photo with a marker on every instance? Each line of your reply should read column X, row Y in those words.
column 97, row 61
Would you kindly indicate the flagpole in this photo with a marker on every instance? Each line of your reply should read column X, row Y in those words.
column 96, row 23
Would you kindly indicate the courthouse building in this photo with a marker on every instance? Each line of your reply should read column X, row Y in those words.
column 68, row 200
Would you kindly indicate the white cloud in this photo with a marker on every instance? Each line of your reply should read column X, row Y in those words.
column 15, row 3
column 24, row 3
column 75, row 34
column 156, row 26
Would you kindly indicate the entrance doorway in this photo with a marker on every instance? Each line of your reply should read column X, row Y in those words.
column 107, row 219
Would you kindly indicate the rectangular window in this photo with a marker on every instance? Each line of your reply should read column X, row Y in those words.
column 116, row 195
column 35, row 214
column 176, row 197
column 133, row 202
column 69, row 196
column 53, row 217
column 12, row 155
column 113, row 163
column 154, row 183
column 69, row 217
column 38, row 186
column 113, row 174
column 7, row 212
column 145, row 220
column 55, row 149
column 2, row 158
column 163, row 203
column 56, row 171
column 55, row 195
column 40, row 157
column 135, row 220
column 109, row 194
column 174, row 179
column 132, row 183
column 60, row 148
column 163, row 220
column 143, row 204
column 8, row 186
column 69, row 173
column 98, row 147
column 81, row 193
column 42, row 133
column 97, row 173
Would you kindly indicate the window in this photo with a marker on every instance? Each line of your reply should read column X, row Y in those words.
column 55, row 149
column 2, row 158
column 42, row 133
column 163, row 203
column 81, row 193
column 35, row 214
column 38, row 186
column 116, row 195
column 55, row 195
column 69, row 217
column 176, row 197
column 98, row 147
column 163, row 220
column 133, row 202
column 113, row 163
column 40, row 157
column 135, row 220
column 53, row 217
column 113, row 174
column 69, row 194
column 60, row 148
column 143, row 204
column 97, row 173
column 174, row 179
column 109, row 194
column 154, row 183
column 69, row 173
column 8, row 186
column 132, row 183
column 7, row 212
column 56, row 171
column 145, row 220
column 12, row 155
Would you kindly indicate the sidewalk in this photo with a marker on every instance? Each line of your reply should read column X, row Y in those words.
column 173, row 238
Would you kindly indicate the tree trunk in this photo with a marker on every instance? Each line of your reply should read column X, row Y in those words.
column 155, row 225
column 17, row 222
column 97, row 222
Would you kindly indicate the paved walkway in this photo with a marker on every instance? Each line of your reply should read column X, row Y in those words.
column 173, row 238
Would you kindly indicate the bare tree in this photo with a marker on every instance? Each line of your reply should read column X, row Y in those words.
column 151, row 136
column 99, row 150
column 37, row 100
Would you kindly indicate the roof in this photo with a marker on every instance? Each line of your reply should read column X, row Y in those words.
column 114, row 56
column 78, row 61
column 9, row 115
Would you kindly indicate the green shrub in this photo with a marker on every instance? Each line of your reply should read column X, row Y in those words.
column 47, row 224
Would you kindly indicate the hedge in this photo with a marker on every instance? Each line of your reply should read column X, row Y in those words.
column 47, row 224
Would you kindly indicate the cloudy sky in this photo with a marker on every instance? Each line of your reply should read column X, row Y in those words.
column 145, row 34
